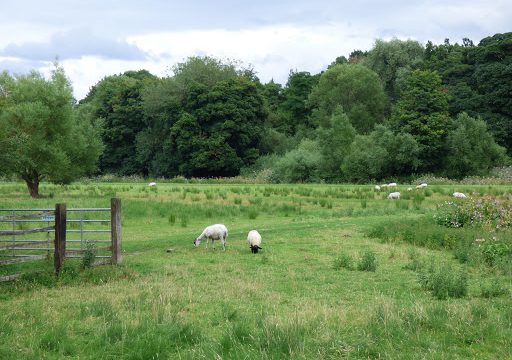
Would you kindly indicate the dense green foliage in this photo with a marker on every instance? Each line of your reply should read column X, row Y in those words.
column 117, row 101
column 357, row 89
column 393, row 61
column 422, row 111
column 471, row 148
column 386, row 113
column 391, row 112
column 42, row 135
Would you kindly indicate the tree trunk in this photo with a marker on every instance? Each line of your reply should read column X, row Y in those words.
column 32, row 181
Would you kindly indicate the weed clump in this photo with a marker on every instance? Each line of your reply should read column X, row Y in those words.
column 415, row 262
column 443, row 281
column 343, row 261
column 367, row 261
column 492, row 289
column 89, row 255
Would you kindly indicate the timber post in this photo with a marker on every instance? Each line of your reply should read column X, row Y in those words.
column 60, row 236
column 115, row 205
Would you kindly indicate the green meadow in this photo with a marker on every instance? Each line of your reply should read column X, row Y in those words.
column 344, row 273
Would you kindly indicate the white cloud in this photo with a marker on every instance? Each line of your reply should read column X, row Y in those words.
column 74, row 43
column 272, row 50
column 88, row 70
column 272, row 36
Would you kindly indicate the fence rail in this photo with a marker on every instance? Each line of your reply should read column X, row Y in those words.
column 18, row 244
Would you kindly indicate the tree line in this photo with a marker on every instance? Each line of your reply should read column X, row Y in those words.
column 399, row 109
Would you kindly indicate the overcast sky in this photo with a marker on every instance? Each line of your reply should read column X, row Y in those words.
column 96, row 38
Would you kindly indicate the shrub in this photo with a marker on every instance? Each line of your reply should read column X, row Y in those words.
column 493, row 250
column 343, row 261
column 443, row 282
column 462, row 251
column 487, row 211
column 253, row 214
column 415, row 262
column 451, row 214
column 89, row 255
column 492, row 289
column 367, row 261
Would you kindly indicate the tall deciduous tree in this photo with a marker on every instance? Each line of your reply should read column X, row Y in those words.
column 381, row 154
column 354, row 87
column 191, row 118
column 334, row 143
column 42, row 136
column 493, row 82
column 117, row 99
column 471, row 149
column 422, row 111
column 295, row 105
column 390, row 59
column 221, row 131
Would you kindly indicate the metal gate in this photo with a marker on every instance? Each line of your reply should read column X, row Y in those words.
column 34, row 234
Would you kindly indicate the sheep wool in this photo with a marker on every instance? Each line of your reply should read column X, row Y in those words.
column 459, row 195
column 394, row 195
column 254, row 240
column 213, row 232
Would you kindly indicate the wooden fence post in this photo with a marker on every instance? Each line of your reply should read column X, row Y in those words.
column 115, row 209
column 60, row 236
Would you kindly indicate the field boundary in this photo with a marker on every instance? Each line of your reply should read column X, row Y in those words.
column 15, row 248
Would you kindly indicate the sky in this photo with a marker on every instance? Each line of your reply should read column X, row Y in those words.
column 92, row 39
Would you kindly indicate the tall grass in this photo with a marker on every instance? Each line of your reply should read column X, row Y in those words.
column 293, row 300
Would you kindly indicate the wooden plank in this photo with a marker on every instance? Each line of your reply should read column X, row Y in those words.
column 103, row 248
column 103, row 262
column 115, row 223
column 28, row 216
column 16, row 245
column 23, row 232
column 22, row 259
column 9, row 277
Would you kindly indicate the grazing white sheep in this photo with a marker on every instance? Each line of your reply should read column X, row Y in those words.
column 384, row 186
column 254, row 239
column 421, row 186
column 391, row 185
column 459, row 195
column 151, row 184
column 409, row 189
column 377, row 188
column 213, row 232
column 394, row 195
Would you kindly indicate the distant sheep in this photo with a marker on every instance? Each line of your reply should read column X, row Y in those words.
column 254, row 240
column 213, row 232
column 151, row 184
column 384, row 186
column 459, row 195
column 377, row 188
column 394, row 195
column 421, row 186
column 391, row 185
column 409, row 189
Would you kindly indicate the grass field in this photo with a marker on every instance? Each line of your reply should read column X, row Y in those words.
column 344, row 273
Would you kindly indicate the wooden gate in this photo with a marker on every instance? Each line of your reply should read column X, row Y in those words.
column 34, row 234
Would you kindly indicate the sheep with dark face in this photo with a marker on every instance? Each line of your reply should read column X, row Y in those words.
column 254, row 240
column 213, row 232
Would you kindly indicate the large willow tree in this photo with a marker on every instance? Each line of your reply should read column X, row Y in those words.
column 42, row 136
